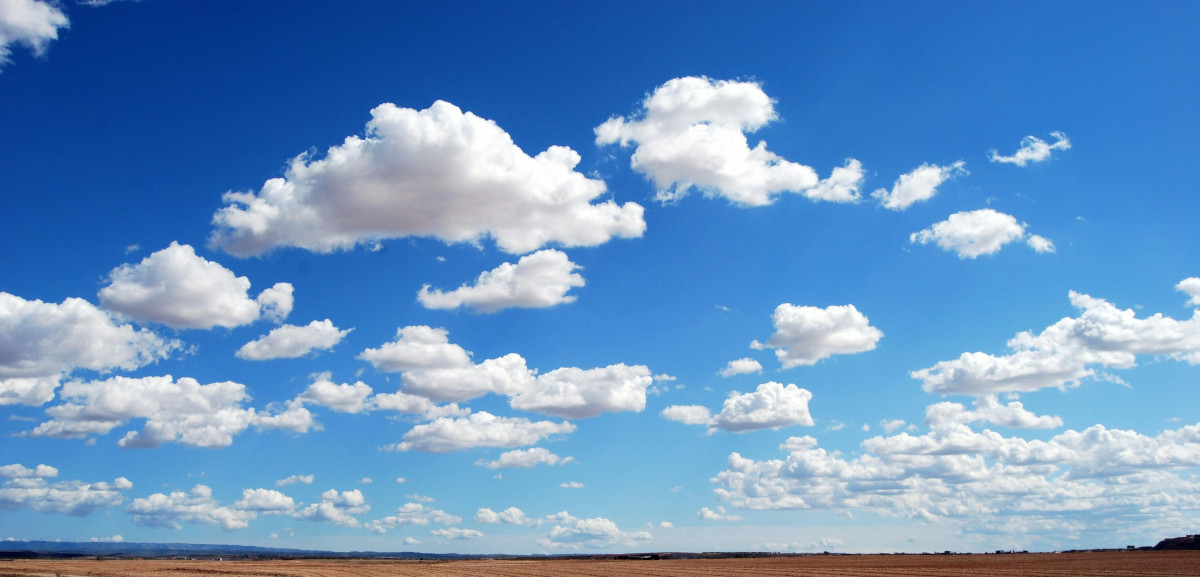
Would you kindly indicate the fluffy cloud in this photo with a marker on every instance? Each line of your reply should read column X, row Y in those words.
column 1102, row 336
column 1191, row 286
column 741, row 366
column 917, row 186
column 33, row 23
column 265, row 501
column 305, row 479
column 336, row 508
column 691, row 133
column 538, row 280
column 525, row 459
column 481, row 429
column 805, row 335
column 291, row 341
column 344, row 398
column 456, row 534
column 1033, row 149
column 719, row 514
column 412, row 514
column 195, row 506
column 180, row 289
column 978, row 232
column 842, row 185
column 26, row 488
column 596, row 533
column 40, row 343
column 181, row 411
column 437, row 172
column 439, row 370
column 511, row 516
column 771, row 406
column 1104, row 478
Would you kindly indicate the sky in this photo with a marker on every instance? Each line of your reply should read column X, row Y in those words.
column 537, row 277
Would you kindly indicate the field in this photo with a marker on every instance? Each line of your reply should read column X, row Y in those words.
column 1097, row 564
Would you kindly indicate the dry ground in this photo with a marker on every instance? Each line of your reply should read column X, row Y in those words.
column 1102, row 564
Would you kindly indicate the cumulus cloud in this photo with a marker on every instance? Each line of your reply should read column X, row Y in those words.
column 336, row 508
column 511, row 516
column 32, row 23
column 691, row 133
column 195, row 506
column 437, row 172
column 457, row 534
column 771, row 406
column 743, row 366
column 25, row 488
column 439, row 370
column 805, row 335
column 1190, row 286
column 305, row 479
column 595, row 533
column 719, row 514
column 917, row 186
column 181, row 411
column 842, row 185
column 525, row 459
column 412, row 514
column 1063, row 354
column 978, row 232
column 180, row 289
column 291, row 341
column 265, row 501
column 343, row 398
column 538, row 280
column 480, row 429
column 40, row 343
column 1033, row 149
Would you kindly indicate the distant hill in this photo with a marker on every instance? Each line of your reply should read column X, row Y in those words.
column 1177, row 543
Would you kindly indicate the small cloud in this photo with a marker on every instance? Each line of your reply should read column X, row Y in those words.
column 572, row 485
column 400, row 479
column 1033, row 149
column 366, row 481
column 743, row 366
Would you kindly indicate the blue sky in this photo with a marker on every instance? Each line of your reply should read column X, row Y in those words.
column 470, row 277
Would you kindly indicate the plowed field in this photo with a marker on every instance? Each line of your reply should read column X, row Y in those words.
column 1105, row 564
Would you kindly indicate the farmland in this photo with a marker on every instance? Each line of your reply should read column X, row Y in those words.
column 1073, row 564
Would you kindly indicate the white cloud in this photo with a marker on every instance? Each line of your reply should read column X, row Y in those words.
column 1102, row 336
column 595, row 533
column 805, row 335
column 525, row 459
column 336, row 508
column 195, row 506
column 842, row 185
column 305, row 479
column 181, row 411
column 412, row 514
column 571, row 485
column 1190, row 286
column 40, row 343
column 989, row 410
column 437, row 172
column 707, row 514
column 917, row 186
column 743, row 366
column 343, row 398
column 1033, row 149
column 454, row 533
column 26, row 488
column 480, row 429
column 691, row 133
column 511, row 516
column 439, row 370
column 771, row 406
column 32, row 23
column 978, row 232
column 291, row 341
column 891, row 426
column 180, row 289
column 265, row 501
column 538, row 280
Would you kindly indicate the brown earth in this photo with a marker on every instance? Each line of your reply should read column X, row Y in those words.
column 1074, row 564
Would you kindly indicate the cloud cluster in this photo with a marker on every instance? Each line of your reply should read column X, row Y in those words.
column 40, row 343
column 32, row 23
column 180, row 289
column 437, row 172
column 691, row 133
column 525, row 459
column 25, row 488
column 479, row 429
column 805, row 335
column 1033, row 149
column 771, row 406
column 412, row 514
column 291, row 341
column 538, row 280
column 195, row 506
column 1072, row 349
column 917, row 186
column 979, row 232
column 510, row 516
column 596, row 533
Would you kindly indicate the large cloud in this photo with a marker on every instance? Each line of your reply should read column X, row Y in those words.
column 1102, row 336
column 1033, row 149
column 181, row 411
column 412, row 514
column 978, row 232
column 291, row 341
column 437, row 172
column 596, row 533
column 25, row 488
column 538, row 280
column 691, row 133
column 33, row 23
column 805, row 335
column 771, row 406
column 40, row 343
column 195, row 506
column 917, row 186
column 336, row 508
column 180, row 289
column 481, row 429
